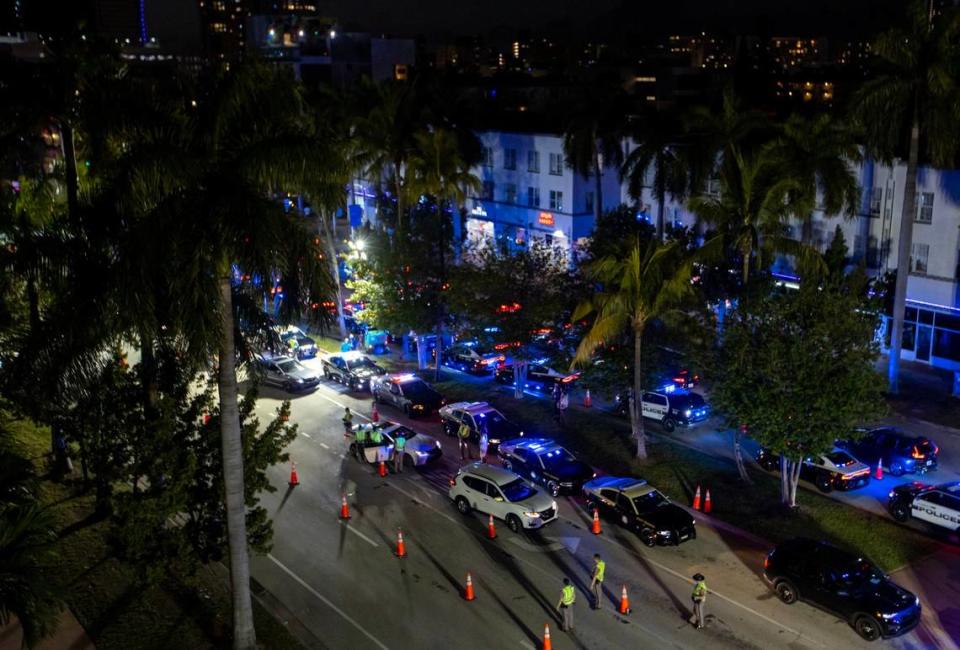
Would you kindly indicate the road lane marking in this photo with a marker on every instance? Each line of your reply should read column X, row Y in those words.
column 358, row 533
column 306, row 435
column 329, row 604
column 325, row 445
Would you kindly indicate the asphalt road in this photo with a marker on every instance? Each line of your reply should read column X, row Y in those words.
column 343, row 583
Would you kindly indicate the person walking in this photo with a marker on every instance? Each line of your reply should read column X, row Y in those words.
column 347, row 421
column 463, row 436
column 699, row 597
column 399, row 443
column 596, row 579
column 567, row 597
column 484, row 442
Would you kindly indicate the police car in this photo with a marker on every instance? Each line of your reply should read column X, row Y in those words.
column 478, row 415
column 407, row 392
column 674, row 408
column 545, row 462
column 539, row 376
column 472, row 357
column 935, row 504
column 640, row 507
column 834, row 470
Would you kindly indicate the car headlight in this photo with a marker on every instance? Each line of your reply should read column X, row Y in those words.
column 494, row 441
column 299, row 380
column 419, row 453
column 419, row 407
column 888, row 617
column 532, row 515
column 686, row 413
column 436, row 444
column 891, row 495
column 665, row 533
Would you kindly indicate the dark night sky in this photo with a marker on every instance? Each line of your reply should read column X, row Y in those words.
column 609, row 17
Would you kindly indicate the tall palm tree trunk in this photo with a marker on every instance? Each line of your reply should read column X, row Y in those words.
column 661, row 208
column 598, row 187
column 231, row 439
column 904, row 249
column 334, row 270
column 636, row 408
column 70, row 161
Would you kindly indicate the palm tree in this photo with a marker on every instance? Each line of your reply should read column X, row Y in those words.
column 26, row 591
column 913, row 105
column 592, row 141
column 658, row 149
column 647, row 284
column 753, row 207
column 817, row 154
column 439, row 170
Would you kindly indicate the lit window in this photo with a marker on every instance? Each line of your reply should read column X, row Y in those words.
column 218, row 27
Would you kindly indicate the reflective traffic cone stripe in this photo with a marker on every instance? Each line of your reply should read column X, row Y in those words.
column 879, row 474
column 383, row 469
column 546, row 637
column 696, row 499
column 491, row 531
column 468, row 592
column 587, row 402
column 401, row 549
column 707, row 504
column 294, row 479
column 344, row 508
column 595, row 527
column 624, row 603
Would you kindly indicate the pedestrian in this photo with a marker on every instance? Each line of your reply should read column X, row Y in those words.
column 398, row 446
column 374, row 412
column 567, row 597
column 699, row 596
column 484, row 444
column 463, row 435
column 562, row 405
column 347, row 421
column 360, row 443
column 596, row 579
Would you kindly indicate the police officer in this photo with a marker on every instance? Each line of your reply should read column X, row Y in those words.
column 567, row 597
column 699, row 596
column 596, row 579
column 360, row 442
column 347, row 421
column 463, row 434
column 400, row 441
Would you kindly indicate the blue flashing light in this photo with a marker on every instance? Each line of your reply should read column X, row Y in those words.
column 668, row 388
column 491, row 329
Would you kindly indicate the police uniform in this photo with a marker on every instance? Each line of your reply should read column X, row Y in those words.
column 597, row 582
column 464, row 435
column 568, row 596
column 360, row 442
column 699, row 597
column 398, row 446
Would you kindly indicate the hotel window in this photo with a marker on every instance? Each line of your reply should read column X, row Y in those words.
column 218, row 27
column 918, row 258
column 509, row 158
column 533, row 162
column 556, row 200
column 487, row 192
column 510, row 193
column 533, row 197
column 875, row 197
column 487, row 157
column 556, row 164
column 925, row 207
column 589, row 198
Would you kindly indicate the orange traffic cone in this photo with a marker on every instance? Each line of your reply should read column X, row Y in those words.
column 401, row 549
column 546, row 637
column 624, row 603
column 707, row 504
column 294, row 479
column 468, row 592
column 344, row 508
column 595, row 527
column 879, row 474
column 587, row 402
column 491, row 531
column 696, row 499
column 374, row 413
column 382, row 471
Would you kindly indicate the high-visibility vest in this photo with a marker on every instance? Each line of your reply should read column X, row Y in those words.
column 601, row 568
column 348, row 418
column 464, row 431
column 361, row 435
column 375, row 437
column 568, row 595
column 401, row 443
column 700, row 590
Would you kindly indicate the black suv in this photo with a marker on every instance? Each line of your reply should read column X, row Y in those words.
column 898, row 451
column 407, row 392
column 547, row 463
column 843, row 584
column 352, row 369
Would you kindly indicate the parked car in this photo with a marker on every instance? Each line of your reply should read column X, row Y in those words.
column 297, row 343
column 420, row 448
column 472, row 357
column 352, row 369
column 501, row 493
column 539, row 376
column 844, row 584
column 638, row 506
column 412, row 395
column 898, row 451
column 835, row 470
column 545, row 462
column 477, row 414
column 286, row 373
column 938, row 505
column 674, row 408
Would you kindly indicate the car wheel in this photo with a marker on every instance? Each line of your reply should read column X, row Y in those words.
column 786, row 592
column 648, row 537
column 669, row 425
column 553, row 488
column 867, row 627
column 900, row 511
column 896, row 469
column 824, row 484
column 676, row 538
column 463, row 506
column 514, row 523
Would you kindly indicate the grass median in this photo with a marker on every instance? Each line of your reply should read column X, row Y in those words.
column 102, row 590
column 604, row 441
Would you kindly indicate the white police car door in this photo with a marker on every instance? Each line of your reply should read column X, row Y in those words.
column 926, row 506
column 654, row 406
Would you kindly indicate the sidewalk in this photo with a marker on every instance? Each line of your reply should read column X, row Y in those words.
column 69, row 635
column 925, row 393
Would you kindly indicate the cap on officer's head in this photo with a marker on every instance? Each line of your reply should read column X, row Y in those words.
column 698, row 577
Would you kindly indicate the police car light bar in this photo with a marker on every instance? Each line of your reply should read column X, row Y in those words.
column 352, row 355
column 401, row 378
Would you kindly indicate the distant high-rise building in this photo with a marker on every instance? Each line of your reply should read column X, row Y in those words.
column 224, row 27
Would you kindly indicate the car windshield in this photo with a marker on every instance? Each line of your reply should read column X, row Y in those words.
column 649, row 501
column 691, row 401
column 841, row 458
column 861, row 574
column 556, row 458
column 288, row 366
column 363, row 362
column 516, row 491
column 416, row 388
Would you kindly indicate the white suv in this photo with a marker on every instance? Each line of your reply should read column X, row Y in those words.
column 501, row 493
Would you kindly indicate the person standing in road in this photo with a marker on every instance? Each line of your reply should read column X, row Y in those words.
column 398, row 445
column 567, row 597
column 596, row 579
column 360, row 442
column 699, row 597
column 562, row 405
column 347, row 421
column 463, row 435
column 484, row 442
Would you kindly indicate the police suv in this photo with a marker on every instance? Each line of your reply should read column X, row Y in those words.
column 935, row 504
column 674, row 408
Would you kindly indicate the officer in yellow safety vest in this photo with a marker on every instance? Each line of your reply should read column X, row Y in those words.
column 399, row 443
column 699, row 596
column 360, row 442
column 376, row 437
column 463, row 435
column 567, row 597
column 347, row 421
column 596, row 579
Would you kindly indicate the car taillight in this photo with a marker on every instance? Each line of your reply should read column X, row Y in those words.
column 916, row 453
column 453, row 482
column 766, row 562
